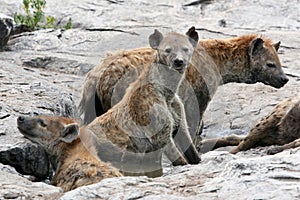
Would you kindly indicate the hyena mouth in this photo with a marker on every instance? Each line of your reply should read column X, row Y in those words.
column 276, row 83
column 179, row 69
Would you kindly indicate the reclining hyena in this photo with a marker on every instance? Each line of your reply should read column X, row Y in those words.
column 73, row 163
column 245, row 59
column 279, row 127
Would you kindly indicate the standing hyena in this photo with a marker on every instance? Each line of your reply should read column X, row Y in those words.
column 141, row 126
column 246, row 59
column 73, row 163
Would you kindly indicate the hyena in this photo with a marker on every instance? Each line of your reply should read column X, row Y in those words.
column 280, row 127
column 73, row 162
column 245, row 59
column 143, row 124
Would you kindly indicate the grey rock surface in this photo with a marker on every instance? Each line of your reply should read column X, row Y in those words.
column 14, row 186
column 42, row 72
column 219, row 176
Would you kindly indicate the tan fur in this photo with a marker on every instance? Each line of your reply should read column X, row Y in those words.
column 215, row 61
column 73, row 163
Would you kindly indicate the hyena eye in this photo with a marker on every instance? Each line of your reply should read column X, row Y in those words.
column 271, row 65
column 42, row 123
column 186, row 50
column 168, row 50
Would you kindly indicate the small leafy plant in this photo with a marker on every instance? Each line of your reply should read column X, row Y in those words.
column 34, row 18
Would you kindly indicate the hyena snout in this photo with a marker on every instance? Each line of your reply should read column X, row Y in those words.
column 284, row 79
column 179, row 64
column 280, row 81
column 21, row 119
column 24, row 124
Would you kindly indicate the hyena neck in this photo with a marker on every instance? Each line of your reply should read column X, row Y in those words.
column 61, row 152
column 163, row 75
column 231, row 57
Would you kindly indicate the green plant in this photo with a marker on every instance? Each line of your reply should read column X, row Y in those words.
column 69, row 24
column 35, row 17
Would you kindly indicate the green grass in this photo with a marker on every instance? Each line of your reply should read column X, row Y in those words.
column 35, row 19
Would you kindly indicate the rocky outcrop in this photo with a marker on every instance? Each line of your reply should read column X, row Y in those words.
column 219, row 176
column 26, row 158
column 42, row 72
column 13, row 186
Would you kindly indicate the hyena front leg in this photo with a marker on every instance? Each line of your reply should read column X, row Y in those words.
column 174, row 155
column 181, row 135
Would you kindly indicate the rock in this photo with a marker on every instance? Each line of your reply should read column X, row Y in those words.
column 13, row 186
column 6, row 26
column 43, row 72
column 26, row 158
column 219, row 176
column 65, row 106
column 8, row 169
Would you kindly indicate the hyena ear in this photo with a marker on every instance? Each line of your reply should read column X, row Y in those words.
column 69, row 133
column 256, row 46
column 155, row 39
column 193, row 36
column 277, row 45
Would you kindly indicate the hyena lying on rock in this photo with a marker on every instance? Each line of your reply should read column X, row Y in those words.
column 245, row 59
column 279, row 127
column 73, row 163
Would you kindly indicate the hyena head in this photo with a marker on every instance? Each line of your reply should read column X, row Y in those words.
column 265, row 64
column 48, row 131
column 174, row 50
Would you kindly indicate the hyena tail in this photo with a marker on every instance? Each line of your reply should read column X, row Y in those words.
column 90, row 106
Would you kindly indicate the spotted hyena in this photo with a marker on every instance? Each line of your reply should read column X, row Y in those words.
column 280, row 127
column 73, row 162
column 245, row 59
column 150, row 115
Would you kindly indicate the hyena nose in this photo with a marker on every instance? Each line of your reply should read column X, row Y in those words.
column 21, row 119
column 284, row 79
column 178, row 62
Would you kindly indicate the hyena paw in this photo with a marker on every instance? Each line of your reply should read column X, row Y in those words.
column 179, row 161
